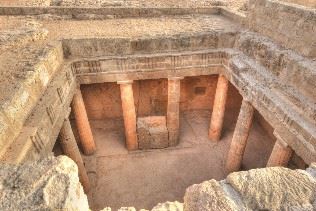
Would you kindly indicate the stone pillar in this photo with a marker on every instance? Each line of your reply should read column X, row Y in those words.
column 281, row 153
column 70, row 148
column 173, row 110
column 129, row 114
column 240, row 137
column 83, row 125
column 217, row 119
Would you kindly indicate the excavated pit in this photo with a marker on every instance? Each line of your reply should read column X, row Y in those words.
column 144, row 178
column 105, row 61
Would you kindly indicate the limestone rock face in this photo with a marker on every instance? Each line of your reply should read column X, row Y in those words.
column 48, row 184
column 208, row 195
column 275, row 188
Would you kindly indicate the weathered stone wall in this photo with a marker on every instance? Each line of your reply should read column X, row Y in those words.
column 293, row 27
column 87, row 48
column 103, row 100
column 31, row 78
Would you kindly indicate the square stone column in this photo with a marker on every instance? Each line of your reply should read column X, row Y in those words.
column 218, row 112
column 129, row 114
column 281, row 153
column 70, row 148
column 83, row 125
column 240, row 137
column 173, row 110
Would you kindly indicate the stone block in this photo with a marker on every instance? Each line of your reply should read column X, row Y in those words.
column 275, row 188
column 152, row 132
column 48, row 184
column 208, row 195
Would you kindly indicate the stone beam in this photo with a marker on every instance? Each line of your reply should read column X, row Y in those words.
column 70, row 148
column 129, row 114
column 173, row 110
column 281, row 153
column 218, row 112
column 83, row 125
column 240, row 137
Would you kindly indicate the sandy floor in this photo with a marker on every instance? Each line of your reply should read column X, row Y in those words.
column 144, row 178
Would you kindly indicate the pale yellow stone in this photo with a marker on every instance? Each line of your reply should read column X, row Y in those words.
column 208, row 195
column 275, row 188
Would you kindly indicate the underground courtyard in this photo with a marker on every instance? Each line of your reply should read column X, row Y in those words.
column 157, row 105
column 145, row 177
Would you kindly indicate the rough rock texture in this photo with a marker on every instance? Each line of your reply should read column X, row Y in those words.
column 169, row 206
column 38, row 3
column 292, row 26
column 275, row 188
column 28, row 32
column 48, row 184
column 152, row 132
column 208, row 195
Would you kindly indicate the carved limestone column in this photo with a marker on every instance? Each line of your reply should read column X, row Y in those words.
column 173, row 110
column 129, row 114
column 281, row 153
column 70, row 148
column 240, row 137
column 83, row 125
column 218, row 112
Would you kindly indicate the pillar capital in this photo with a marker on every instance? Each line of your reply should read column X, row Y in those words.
column 125, row 82
column 280, row 139
column 175, row 78
column 280, row 154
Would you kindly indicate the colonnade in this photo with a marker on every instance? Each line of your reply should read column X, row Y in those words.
column 281, row 152
column 67, row 138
